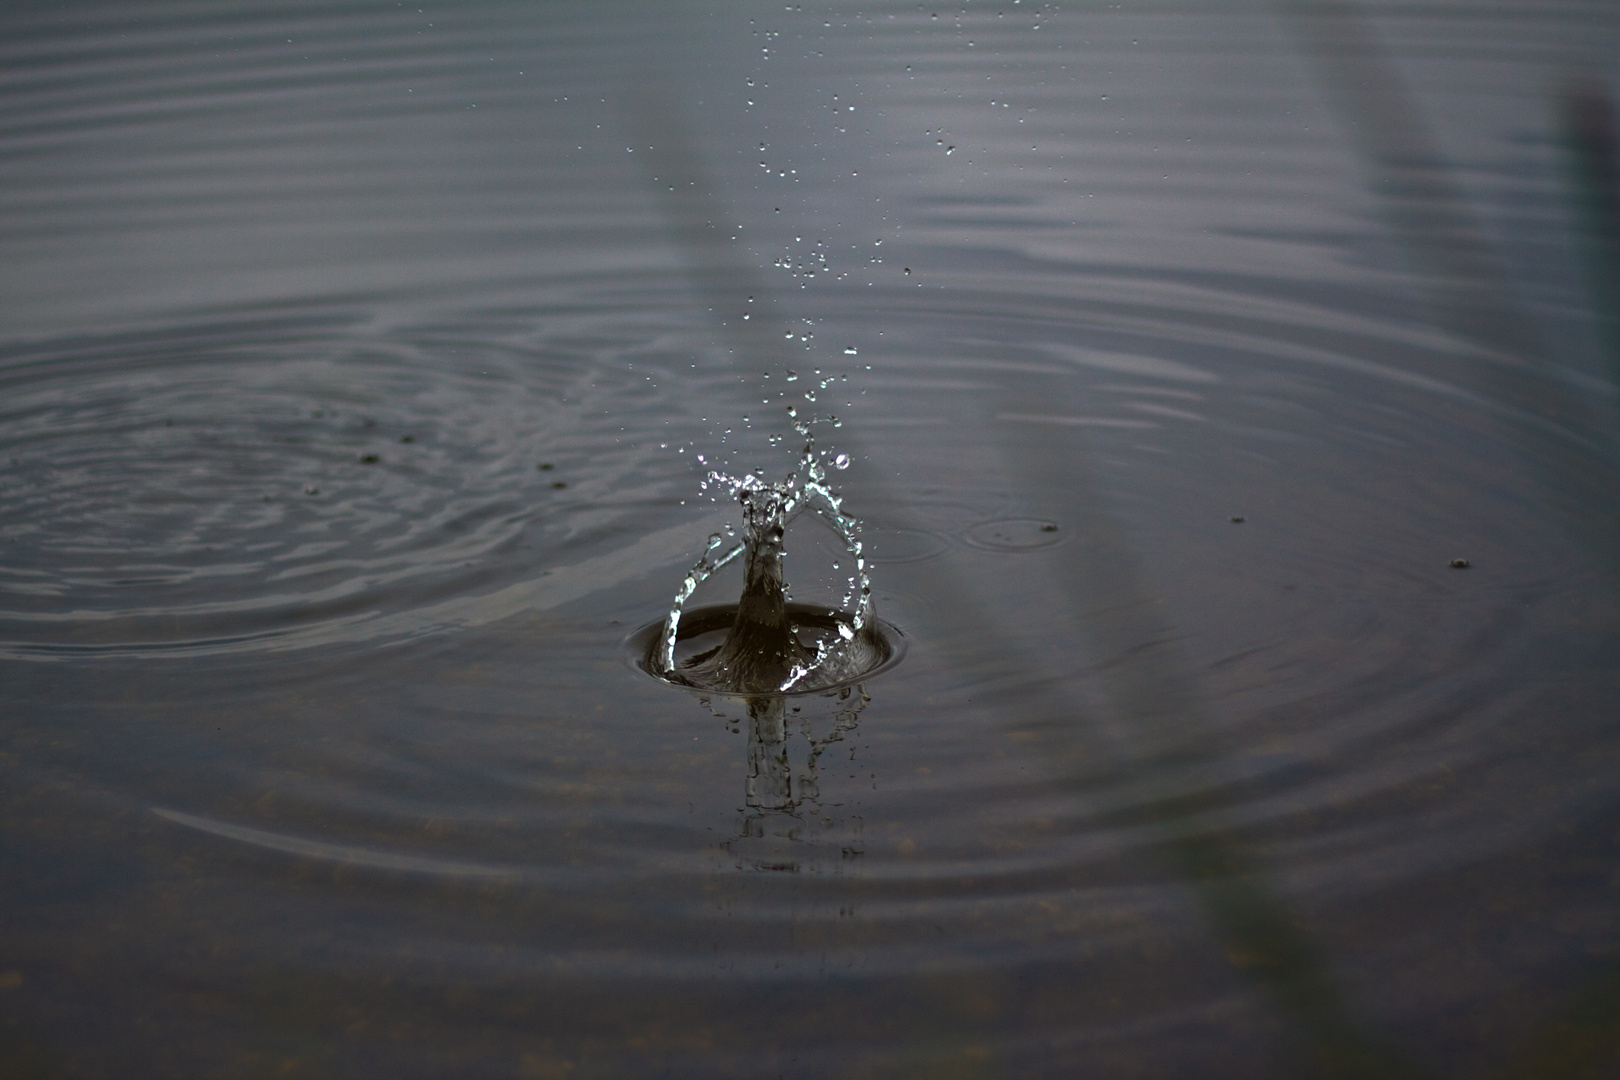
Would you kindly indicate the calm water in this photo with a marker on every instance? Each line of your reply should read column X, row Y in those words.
column 355, row 360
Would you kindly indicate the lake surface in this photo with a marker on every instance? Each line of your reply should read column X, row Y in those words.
column 355, row 364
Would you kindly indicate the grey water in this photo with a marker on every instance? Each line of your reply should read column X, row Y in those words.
column 1227, row 400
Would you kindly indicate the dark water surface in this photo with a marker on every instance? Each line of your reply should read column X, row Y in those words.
column 354, row 363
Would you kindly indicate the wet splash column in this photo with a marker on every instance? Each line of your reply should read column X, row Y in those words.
column 762, row 651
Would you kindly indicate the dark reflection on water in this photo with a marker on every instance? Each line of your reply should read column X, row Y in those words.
column 353, row 363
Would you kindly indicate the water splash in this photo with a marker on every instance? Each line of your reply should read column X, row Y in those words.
column 771, row 645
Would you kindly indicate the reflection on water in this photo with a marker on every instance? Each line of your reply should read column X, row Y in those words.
column 355, row 362
column 786, row 828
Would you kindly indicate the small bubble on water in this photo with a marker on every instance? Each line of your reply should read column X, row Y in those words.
column 850, row 351
column 841, row 461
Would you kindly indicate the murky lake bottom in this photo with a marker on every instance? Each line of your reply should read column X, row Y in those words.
column 1252, row 589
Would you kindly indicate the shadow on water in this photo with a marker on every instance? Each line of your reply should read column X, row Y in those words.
column 1591, row 130
column 1156, row 722
column 1428, row 214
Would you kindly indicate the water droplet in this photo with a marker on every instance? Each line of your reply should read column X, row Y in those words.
column 841, row 461
column 850, row 351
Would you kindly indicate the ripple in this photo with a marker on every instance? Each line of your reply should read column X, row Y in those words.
column 1014, row 534
column 238, row 487
column 902, row 545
